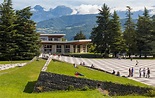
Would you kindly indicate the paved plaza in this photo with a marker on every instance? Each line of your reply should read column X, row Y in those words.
column 121, row 65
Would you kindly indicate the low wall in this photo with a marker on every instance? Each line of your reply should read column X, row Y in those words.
column 53, row 82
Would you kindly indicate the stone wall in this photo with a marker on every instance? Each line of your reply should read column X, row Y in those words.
column 52, row 82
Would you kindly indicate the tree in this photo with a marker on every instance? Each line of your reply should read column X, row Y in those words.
column 79, row 36
column 7, row 31
column 100, row 34
column 27, row 38
column 130, row 33
column 144, row 26
column 117, row 43
column 18, row 37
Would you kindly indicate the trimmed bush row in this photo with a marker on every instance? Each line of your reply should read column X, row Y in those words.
column 53, row 82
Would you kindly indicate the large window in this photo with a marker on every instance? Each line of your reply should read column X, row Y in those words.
column 67, row 48
column 58, row 48
column 47, row 48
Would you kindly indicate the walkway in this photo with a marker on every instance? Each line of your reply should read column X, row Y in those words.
column 121, row 65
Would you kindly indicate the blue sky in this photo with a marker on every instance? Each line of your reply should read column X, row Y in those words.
column 86, row 6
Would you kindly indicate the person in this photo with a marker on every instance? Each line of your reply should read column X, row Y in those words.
column 148, row 73
column 140, row 72
column 143, row 72
column 118, row 73
column 113, row 72
column 92, row 66
column 78, row 74
column 132, row 70
column 129, row 73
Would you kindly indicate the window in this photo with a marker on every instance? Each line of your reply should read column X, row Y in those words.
column 67, row 48
column 58, row 48
column 47, row 48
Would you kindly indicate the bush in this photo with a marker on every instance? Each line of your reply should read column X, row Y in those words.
column 71, row 87
column 151, row 93
column 85, row 88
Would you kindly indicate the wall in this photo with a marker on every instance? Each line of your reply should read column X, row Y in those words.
column 52, row 82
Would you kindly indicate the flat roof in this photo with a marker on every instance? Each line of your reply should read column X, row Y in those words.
column 68, row 42
column 52, row 34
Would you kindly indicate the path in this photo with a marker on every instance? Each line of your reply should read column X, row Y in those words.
column 121, row 65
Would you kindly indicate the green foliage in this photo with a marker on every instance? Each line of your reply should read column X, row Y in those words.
column 130, row 33
column 100, row 34
column 85, row 88
column 18, row 38
column 144, row 34
column 71, row 88
column 79, row 36
column 151, row 93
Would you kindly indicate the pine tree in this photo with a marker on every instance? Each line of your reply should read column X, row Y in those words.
column 117, row 43
column 100, row 34
column 144, row 26
column 130, row 33
column 79, row 36
column 27, row 38
column 7, row 31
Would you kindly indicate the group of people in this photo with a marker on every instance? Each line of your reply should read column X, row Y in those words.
column 145, row 72
column 131, row 71
column 117, row 74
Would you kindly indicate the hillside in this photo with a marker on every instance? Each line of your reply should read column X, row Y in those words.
column 71, row 25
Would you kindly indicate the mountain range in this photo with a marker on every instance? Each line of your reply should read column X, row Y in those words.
column 61, row 20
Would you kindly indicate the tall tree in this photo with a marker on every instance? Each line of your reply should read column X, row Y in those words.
column 7, row 31
column 27, row 38
column 130, row 33
column 79, row 36
column 100, row 34
column 117, row 43
column 144, row 27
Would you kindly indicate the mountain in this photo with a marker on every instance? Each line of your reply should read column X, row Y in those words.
column 69, row 25
column 39, row 14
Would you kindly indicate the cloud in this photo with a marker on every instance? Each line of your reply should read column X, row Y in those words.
column 87, row 9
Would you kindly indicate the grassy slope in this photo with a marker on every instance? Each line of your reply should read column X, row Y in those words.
column 68, row 69
column 13, row 83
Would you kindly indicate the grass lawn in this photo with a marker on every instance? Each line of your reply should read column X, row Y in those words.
column 68, row 69
column 18, row 82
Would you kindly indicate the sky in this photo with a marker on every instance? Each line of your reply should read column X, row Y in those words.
column 86, row 6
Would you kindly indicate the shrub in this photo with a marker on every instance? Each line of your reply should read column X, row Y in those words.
column 85, row 88
column 71, row 87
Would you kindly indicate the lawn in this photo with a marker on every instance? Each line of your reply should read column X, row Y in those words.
column 18, row 82
column 68, row 69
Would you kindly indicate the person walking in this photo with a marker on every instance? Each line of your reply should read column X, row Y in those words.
column 132, row 70
column 140, row 72
column 148, row 73
column 143, row 72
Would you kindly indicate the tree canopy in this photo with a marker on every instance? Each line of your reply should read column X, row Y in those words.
column 18, row 37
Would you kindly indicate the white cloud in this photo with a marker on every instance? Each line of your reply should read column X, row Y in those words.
column 88, row 9
column 86, row 6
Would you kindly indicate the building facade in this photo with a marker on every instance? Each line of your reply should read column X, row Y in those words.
column 53, row 43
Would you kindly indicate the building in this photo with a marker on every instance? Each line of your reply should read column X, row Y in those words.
column 53, row 43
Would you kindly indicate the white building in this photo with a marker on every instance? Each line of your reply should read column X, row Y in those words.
column 53, row 43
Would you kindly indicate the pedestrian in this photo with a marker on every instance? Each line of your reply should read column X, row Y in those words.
column 118, row 73
column 129, row 73
column 132, row 70
column 113, row 72
column 140, row 72
column 143, row 72
column 148, row 73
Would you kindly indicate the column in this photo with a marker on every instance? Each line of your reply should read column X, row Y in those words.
column 71, row 49
column 62, row 49
column 81, row 48
column 53, row 48
column 75, row 48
